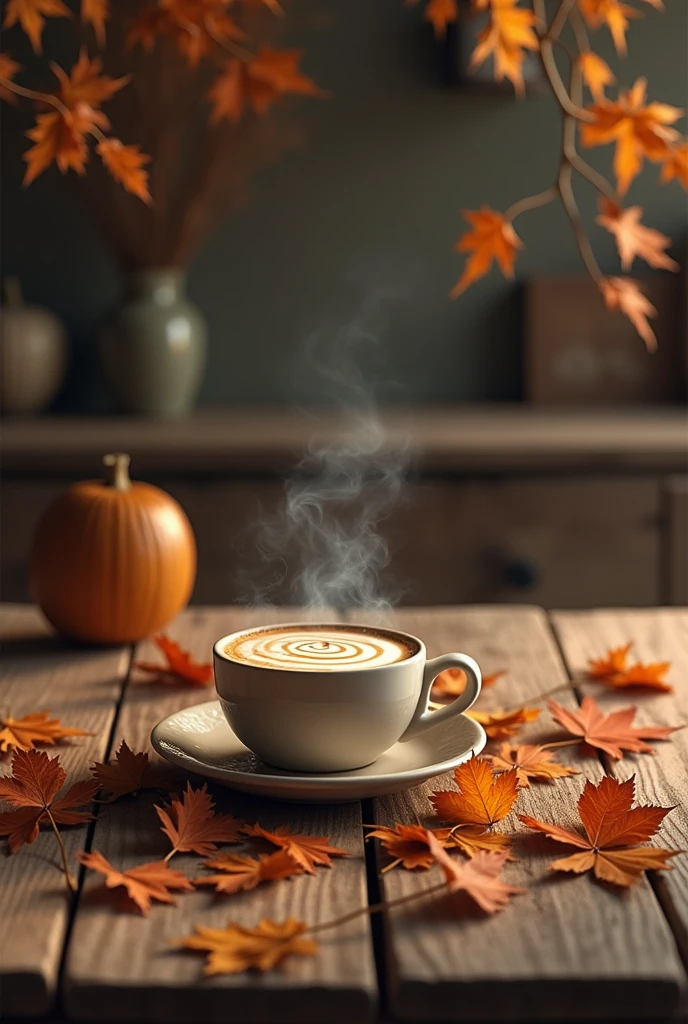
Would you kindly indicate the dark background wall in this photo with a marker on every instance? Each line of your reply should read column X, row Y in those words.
column 371, row 204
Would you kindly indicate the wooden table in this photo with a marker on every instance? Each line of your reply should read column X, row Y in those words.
column 567, row 949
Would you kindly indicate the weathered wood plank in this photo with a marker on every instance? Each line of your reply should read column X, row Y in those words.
column 81, row 686
column 568, row 948
column 122, row 967
column 658, row 635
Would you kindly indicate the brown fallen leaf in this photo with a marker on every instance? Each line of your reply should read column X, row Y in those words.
column 482, row 798
column 613, row 733
column 613, row 831
column 452, row 682
column 649, row 677
column 234, row 949
column 239, row 872
column 500, row 725
column 192, row 826
column 25, row 732
column 143, row 883
column 128, row 773
column 306, row 851
column 609, row 664
column 408, row 844
column 531, row 761
column 179, row 664
column 478, row 877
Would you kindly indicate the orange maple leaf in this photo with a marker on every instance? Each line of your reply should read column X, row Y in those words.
column 31, row 15
column 615, row 14
column 24, row 733
column 143, row 883
column 180, row 664
column 478, row 877
column 258, row 83
column 613, row 661
column 675, row 164
column 492, row 238
column 96, row 13
column 192, row 826
column 234, row 949
column 439, row 13
column 198, row 28
column 613, row 831
column 85, row 83
column 452, row 682
column 246, row 873
column 612, row 733
column 596, row 74
column 482, row 798
column 639, row 130
column 624, row 294
column 125, row 164
column 509, row 32
column 306, row 851
column 32, row 791
column 501, row 725
column 531, row 761
column 408, row 844
column 128, row 773
column 633, row 238
column 8, row 69
column 470, row 839
column 650, row 677
column 60, row 138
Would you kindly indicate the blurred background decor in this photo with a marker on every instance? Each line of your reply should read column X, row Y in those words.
column 33, row 354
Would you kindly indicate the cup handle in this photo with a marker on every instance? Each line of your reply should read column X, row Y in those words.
column 423, row 718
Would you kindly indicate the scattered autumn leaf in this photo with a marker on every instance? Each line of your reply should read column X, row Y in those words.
column 306, row 851
column 128, row 773
column 635, row 239
column 508, row 34
column 24, row 733
column 482, row 798
column 613, row 733
column 126, row 165
column 478, row 877
column 500, row 725
column 239, row 872
column 408, row 844
column 470, row 839
column 96, row 13
column 531, row 761
column 639, row 130
column 613, row 661
column 649, row 677
column 596, row 74
column 8, row 69
column 31, row 15
column 492, row 238
column 192, row 826
column 613, row 831
column 452, row 682
column 32, row 790
column 624, row 294
column 143, row 883
column 675, row 164
column 179, row 664
column 234, row 949
column 258, row 83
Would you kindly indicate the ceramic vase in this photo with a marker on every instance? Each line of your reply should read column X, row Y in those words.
column 33, row 355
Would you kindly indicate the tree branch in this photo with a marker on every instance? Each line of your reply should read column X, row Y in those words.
column 531, row 202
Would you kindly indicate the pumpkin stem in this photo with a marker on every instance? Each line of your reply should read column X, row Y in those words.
column 117, row 471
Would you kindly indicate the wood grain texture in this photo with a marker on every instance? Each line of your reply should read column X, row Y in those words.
column 566, row 949
column 81, row 686
column 674, row 560
column 657, row 635
column 122, row 967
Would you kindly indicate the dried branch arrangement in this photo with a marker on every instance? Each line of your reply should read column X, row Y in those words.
column 639, row 129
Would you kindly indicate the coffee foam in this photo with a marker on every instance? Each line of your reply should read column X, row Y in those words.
column 320, row 649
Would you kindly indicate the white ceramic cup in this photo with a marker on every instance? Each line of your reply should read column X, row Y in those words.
column 338, row 719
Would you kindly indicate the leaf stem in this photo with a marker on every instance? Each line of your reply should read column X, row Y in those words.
column 376, row 908
column 71, row 884
column 32, row 94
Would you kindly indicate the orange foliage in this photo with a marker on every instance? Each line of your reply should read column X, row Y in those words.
column 143, row 883
column 179, row 664
column 192, row 825
column 25, row 732
column 235, row 949
column 531, row 762
column 492, row 238
column 613, row 733
column 482, row 798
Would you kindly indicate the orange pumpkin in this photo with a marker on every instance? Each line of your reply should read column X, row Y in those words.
column 112, row 561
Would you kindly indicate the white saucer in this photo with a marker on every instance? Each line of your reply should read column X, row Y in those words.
column 200, row 740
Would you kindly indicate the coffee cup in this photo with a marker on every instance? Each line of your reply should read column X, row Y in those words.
column 331, row 698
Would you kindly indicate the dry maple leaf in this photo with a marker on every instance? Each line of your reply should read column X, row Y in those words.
column 639, row 130
column 483, row 798
column 612, row 733
column 24, row 733
column 440, row 13
column 306, row 851
column 239, row 872
column 452, row 682
column 192, row 826
column 492, row 238
column 531, row 761
column 180, row 664
column 597, row 74
column 509, row 32
column 96, row 13
column 128, row 773
column 198, row 28
column 613, row 661
column 8, row 69
column 501, row 725
column 650, row 677
column 675, row 164
column 234, row 949
column 470, row 839
column 60, row 138
column 31, row 15
column 125, row 164
column 478, row 877
column 615, row 14
column 85, row 82
column 633, row 238
column 143, row 883
column 613, row 831
column 32, row 790
column 624, row 294
column 408, row 844
column 258, row 83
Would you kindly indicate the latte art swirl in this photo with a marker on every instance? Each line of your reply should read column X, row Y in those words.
column 318, row 650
